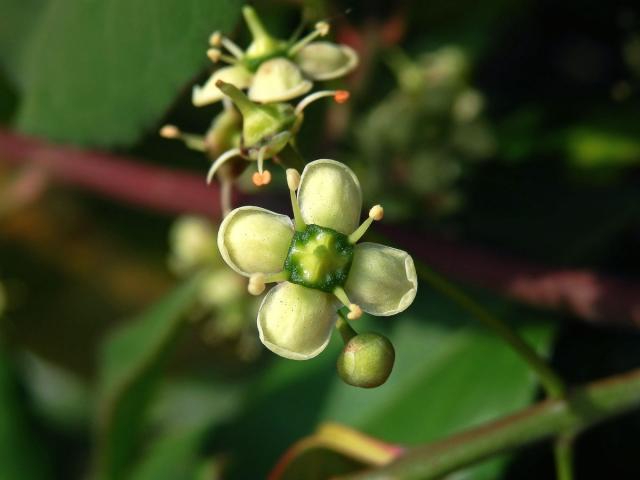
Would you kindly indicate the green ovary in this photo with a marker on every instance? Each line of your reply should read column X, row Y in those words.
column 319, row 258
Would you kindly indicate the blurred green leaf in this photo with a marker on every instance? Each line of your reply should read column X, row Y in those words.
column 14, row 34
column 450, row 374
column 102, row 72
column 596, row 148
column 131, row 365
column 21, row 454
column 187, row 410
column 173, row 456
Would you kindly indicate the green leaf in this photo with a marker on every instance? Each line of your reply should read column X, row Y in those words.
column 21, row 454
column 102, row 72
column 187, row 410
column 14, row 34
column 131, row 365
column 450, row 374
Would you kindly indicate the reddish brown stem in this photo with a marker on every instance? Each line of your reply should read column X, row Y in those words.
column 594, row 297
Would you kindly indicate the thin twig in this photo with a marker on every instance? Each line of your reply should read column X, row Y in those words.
column 584, row 407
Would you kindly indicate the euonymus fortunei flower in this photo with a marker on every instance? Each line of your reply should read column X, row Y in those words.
column 316, row 259
column 266, row 129
column 274, row 70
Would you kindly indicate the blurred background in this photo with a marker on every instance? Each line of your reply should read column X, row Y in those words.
column 502, row 137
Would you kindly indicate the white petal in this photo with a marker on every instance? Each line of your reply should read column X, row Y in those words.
column 255, row 240
column 296, row 322
column 382, row 280
column 237, row 75
column 330, row 196
column 326, row 60
column 278, row 80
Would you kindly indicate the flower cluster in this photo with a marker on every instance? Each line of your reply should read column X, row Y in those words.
column 260, row 125
column 223, row 305
column 324, row 277
column 271, row 69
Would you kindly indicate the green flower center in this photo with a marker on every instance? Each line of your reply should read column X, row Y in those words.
column 319, row 258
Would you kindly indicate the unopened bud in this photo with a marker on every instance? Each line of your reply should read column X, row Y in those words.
column 366, row 360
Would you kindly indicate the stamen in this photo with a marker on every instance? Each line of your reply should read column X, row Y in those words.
column 170, row 131
column 258, row 281
column 229, row 154
column 215, row 55
column 261, row 177
column 376, row 213
column 340, row 96
column 233, row 48
column 215, row 39
column 321, row 30
column 193, row 141
column 293, row 182
column 355, row 311
column 256, row 284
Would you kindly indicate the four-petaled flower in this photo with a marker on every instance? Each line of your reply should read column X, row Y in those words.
column 316, row 260
column 274, row 70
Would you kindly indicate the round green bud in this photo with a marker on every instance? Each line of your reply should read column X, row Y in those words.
column 366, row 360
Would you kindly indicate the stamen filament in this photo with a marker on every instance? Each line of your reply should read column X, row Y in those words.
column 191, row 140
column 215, row 55
column 321, row 30
column 340, row 96
column 229, row 154
column 355, row 311
column 376, row 213
column 261, row 177
column 233, row 48
column 261, row 153
column 293, row 182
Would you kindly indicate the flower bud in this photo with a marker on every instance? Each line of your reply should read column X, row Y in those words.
column 366, row 360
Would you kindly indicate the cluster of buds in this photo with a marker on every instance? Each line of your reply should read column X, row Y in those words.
column 438, row 134
column 223, row 305
column 324, row 276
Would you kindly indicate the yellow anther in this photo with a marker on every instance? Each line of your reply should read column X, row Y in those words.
column 256, row 284
column 215, row 40
column 214, row 54
column 170, row 131
column 323, row 28
column 355, row 312
column 293, row 179
column 376, row 213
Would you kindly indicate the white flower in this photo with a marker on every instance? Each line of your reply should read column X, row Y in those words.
column 317, row 261
column 274, row 70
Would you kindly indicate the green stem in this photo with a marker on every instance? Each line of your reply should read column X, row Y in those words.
column 346, row 330
column 582, row 408
column 563, row 454
column 552, row 384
